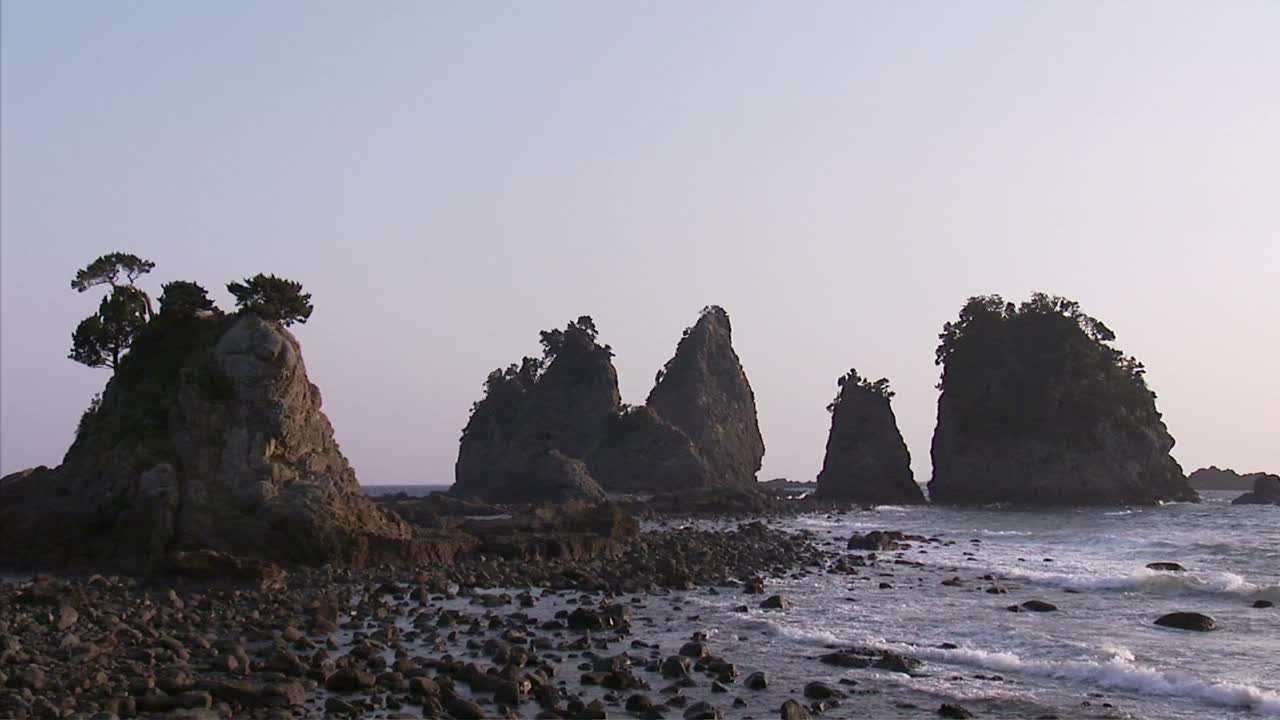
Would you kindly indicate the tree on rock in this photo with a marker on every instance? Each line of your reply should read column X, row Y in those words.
column 272, row 298
column 100, row 340
column 184, row 298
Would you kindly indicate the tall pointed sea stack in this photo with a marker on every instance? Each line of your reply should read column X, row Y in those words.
column 209, row 437
column 704, row 392
column 866, row 460
column 1038, row 408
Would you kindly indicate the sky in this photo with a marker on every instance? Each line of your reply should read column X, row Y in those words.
column 448, row 179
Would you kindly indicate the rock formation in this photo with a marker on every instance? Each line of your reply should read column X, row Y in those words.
column 704, row 392
column 527, row 437
column 1266, row 491
column 698, row 431
column 1214, row 478
column 867, row 460
column 209, row 437
column 1038, row 408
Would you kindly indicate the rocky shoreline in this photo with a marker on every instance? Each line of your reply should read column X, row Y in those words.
column 514, row 635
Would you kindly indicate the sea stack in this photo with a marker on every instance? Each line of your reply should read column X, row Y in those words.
column 1038, row 408
column 703, row 391
column 1266, row 491
column 208, row 437
column 527, row 438
column 866, row 459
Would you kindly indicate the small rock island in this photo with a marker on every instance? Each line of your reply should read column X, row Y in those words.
column 1038, row 408
column 867, row 460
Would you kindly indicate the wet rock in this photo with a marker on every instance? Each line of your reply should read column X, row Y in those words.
column 349, row 680
column 1166, row 567
column 871, row 658
column 756, row 681
column 949, row 710
column 776, row 602
column 1187, row 621
column 702, row 711
column 1263, row 604
column 821, row 691
column 792, row 710
column 1039, row 606
column 876, row 541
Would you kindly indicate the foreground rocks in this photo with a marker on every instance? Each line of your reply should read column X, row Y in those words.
column 1038, row 408
column 209, row 437
column 1266, row 491
column 867, row 460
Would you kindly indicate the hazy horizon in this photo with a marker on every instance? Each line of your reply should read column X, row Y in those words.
column 447, row 180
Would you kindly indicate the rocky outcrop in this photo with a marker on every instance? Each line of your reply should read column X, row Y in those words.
column 1215, row 478
column 1266, row 491
column 527, row 438
column 703, row 391
column 698, row 430
column 640, row 452
column 1038, row 408
column 866, row 461
column 209, row 437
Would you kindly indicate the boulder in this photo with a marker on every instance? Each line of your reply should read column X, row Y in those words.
column 1266, row 491
column 1038, row 408
column 209, row 436
column 704, row 392
column 1187, row 621
column 867, row 460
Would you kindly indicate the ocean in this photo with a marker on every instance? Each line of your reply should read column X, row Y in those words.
column 1099, row 655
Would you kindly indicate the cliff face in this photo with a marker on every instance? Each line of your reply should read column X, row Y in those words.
column 209, row 437
column 703, row 392
column 867, row 460
column 640, row 452
column 1038, row 408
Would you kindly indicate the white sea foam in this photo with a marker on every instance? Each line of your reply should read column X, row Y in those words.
column 1152, row 581
column 1118, row 673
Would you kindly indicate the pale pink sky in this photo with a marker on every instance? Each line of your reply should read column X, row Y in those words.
column 449, row 179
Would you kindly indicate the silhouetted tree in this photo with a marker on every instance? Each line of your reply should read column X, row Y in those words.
column 272, row 298
column 852, row 379
column 101, row 339
column 184, row 298
column 107, row 269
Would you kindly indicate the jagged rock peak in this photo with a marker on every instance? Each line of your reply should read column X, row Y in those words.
column 867, row 460
column 558, row 402
column 704, row 392
column 1037, row 407
column 209, row 436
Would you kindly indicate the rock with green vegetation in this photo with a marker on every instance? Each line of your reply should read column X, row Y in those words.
column 1038, row 408
column 527, row 437
column 209, row 437
column 866, row 461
